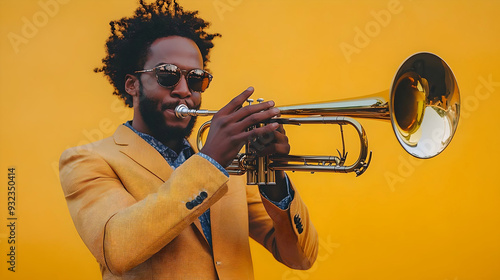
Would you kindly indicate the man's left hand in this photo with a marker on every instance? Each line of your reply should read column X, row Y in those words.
column 275, row 143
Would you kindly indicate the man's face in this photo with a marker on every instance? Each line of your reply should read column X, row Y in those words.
column 156, row 104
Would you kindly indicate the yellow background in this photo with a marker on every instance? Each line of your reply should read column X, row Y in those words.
column 437, row 219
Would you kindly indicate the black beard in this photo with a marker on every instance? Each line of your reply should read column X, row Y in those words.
column 156, row 122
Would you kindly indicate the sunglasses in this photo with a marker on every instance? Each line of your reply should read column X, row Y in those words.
column 169, row 75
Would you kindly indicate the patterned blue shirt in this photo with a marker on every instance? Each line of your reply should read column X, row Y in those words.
column 175, row 160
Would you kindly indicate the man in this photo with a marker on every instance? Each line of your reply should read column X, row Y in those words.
column 144, row 202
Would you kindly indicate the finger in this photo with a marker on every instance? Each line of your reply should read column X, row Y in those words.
column 274, row 148
column 257, row 117
column 236, row 102
column 271, row 137
column 281, row 129
column 262, row 141
column 251, row 109
column 256, row 132
column 280, row 137
column 275, row 143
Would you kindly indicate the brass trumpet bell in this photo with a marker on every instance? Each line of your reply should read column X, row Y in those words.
column 425, row 105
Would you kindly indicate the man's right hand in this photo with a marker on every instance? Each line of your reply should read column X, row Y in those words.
column 228, row 130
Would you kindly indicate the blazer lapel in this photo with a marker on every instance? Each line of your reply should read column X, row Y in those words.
column 141, row 152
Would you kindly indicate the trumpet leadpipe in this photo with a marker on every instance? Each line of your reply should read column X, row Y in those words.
column 182, row 111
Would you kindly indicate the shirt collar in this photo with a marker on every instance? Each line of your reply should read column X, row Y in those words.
column 167, row 153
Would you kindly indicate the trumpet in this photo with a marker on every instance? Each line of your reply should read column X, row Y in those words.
column 423, row 106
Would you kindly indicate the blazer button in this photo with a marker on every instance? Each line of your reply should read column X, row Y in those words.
column 298, row 223
column 189, row 205
column 296, row 218
column 203, row 195
column 199, row 199
column 300, row 229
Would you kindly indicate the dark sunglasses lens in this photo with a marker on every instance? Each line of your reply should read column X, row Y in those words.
column 168, row 76
column 199, row 80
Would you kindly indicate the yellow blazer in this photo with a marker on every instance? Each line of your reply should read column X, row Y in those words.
column 139, row 217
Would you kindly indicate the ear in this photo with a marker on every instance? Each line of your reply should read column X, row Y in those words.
column 132, row 85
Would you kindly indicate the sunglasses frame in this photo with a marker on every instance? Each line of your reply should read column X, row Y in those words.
column 186, row 74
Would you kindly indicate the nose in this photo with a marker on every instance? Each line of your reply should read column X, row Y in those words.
column 181, row 90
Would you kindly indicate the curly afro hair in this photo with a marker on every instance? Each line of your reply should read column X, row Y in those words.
column 127, row 47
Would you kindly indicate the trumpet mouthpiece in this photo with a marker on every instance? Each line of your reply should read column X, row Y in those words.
column 181, row 111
